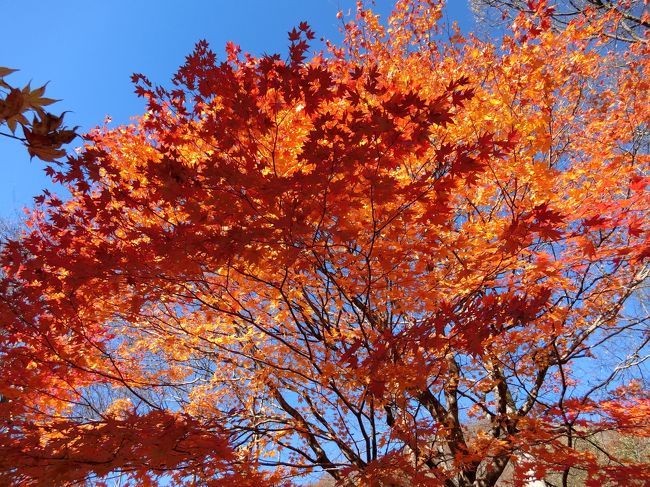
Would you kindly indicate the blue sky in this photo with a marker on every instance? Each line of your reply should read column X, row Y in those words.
column 87, row 51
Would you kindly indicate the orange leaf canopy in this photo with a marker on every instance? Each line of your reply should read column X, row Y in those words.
column 387, row 262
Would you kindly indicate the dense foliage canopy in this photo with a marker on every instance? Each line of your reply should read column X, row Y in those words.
column 412, row 259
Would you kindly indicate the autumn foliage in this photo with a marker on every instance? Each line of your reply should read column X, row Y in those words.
column 45, row 135
column 413, row 259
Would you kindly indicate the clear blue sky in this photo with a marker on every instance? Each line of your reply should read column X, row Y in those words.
column 87, row 51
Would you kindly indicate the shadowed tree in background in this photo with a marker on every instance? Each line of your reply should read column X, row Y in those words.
column 629, row 20
column 408, row 260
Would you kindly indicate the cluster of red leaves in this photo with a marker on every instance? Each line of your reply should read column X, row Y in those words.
column 45, row 135
column 146, row 447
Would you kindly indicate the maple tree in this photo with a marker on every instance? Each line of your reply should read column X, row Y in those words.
column 408, row 260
